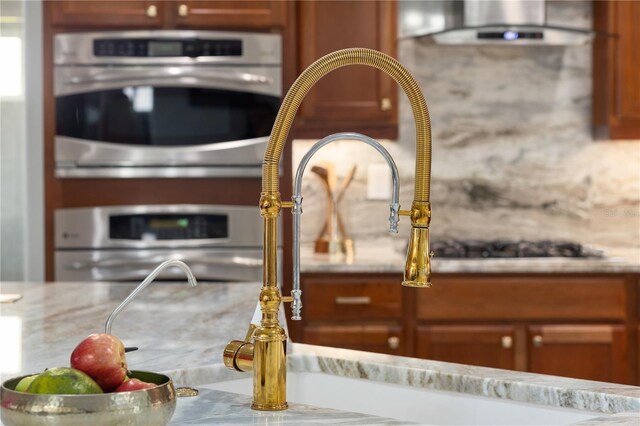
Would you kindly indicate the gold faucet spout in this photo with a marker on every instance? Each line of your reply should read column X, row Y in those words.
column 268, row 360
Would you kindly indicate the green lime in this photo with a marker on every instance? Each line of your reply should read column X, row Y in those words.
column 63, row 380
column 24, row 383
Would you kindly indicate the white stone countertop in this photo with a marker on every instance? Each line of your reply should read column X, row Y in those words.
column 182, row 331
column 378, row 256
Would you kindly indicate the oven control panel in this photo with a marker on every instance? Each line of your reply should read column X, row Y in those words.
column 166, row 47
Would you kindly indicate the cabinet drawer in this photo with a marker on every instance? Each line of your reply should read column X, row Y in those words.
column 497, row 297
column 371, row 338
column 350, row 299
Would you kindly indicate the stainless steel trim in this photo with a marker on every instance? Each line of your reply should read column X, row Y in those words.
column 73, row 152
column 130, row 265
column 84, row 228
column 257, row 48
column 173, row 73
column 251, row 79
column 159, row 172
column 220, row 259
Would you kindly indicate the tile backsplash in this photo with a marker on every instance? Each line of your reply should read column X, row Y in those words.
column 513, row 152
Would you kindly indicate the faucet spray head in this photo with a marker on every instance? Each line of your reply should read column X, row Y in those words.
column 417, row 269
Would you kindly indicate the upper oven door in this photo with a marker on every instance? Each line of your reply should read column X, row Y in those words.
column 164, row 115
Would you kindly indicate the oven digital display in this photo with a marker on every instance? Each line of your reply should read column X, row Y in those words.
column 164, row 48
column 169, row 223
column 159, row 226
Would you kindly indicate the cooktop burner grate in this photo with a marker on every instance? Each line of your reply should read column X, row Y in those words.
column 474, row 249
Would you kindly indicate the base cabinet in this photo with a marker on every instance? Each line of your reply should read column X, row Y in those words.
column 573, row 325
column 483, row 345
column 386, row 339
column 593, row 352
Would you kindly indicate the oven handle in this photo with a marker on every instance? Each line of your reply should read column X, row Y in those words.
column 114, row 263
column 172, row 72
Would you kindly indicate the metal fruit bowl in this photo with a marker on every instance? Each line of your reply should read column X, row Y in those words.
column 143, row 407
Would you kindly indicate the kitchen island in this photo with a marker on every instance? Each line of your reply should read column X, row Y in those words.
column 182, row 331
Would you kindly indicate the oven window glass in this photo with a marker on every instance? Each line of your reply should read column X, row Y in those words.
column 165, row 116
column 152, row 227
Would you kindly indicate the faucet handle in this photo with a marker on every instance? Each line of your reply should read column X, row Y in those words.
column 296, row 305
column 250, row 332
column 394, row 217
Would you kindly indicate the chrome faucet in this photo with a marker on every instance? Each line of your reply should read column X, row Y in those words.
column 296, row 292
column 148, row 280
column 263, row 349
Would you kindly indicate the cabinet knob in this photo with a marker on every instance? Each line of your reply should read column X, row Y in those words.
column 183, row 10
column 507, row 342
column 152, row 11
column 537, row 341
column 385, row 104
column 394, row 342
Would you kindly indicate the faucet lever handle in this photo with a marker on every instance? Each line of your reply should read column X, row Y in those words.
column 287, row 299
column 250, row 332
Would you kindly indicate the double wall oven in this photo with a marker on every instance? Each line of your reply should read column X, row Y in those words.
column 159, row 105
column 164, row 103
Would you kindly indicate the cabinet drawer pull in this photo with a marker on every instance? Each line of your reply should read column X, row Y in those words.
column 537, row 341
column 394, row 342
column 183, row 10
column 357, row 300
column 385, row 104
column 152, row 11
column 507, row 342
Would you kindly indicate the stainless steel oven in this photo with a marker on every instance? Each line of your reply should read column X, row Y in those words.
column 125, row 243
column 164, row 103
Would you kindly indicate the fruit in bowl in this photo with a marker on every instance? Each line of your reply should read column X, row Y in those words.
column 74, row 396
column 62, row 380
column 101, row 356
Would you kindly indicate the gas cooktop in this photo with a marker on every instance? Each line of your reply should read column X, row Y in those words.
column 473, row 249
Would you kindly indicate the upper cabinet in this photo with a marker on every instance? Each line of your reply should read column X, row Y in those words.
column 170, row 14
column 353, row 98
column 616, row 89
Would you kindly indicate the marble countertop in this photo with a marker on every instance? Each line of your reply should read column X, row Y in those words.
column 182, row 331
column 381, row 257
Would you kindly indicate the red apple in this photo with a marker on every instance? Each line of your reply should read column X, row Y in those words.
column 134, row 385
column 101, row 357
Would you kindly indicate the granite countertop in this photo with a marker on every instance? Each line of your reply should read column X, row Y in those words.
column 378, row 256
column 182, row 331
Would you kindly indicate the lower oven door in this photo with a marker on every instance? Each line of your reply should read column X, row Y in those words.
column 134, row 265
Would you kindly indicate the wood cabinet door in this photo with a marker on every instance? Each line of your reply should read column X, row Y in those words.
column 354, row 98
column 616, row 79
column 107, row 13
column 386, row 339
column 593, row 352
column 228, row 14
column 484, row 345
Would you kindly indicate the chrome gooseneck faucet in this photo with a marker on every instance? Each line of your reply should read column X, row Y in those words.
column 263, row 349
column 296, row 292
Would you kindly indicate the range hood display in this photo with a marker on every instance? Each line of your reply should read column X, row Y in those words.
column 520, row 22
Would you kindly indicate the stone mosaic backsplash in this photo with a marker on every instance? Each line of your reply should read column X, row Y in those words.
column 513, row 152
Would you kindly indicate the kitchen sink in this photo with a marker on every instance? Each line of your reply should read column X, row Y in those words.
column 411, row 404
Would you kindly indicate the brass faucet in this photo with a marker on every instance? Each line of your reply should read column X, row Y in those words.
column 266, row 355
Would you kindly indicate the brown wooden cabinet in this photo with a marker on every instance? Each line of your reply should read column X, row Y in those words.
column 484, row 345
column 616, row 79
column 362, row 312
column 169, row 14
column 573, row 325
column 594, row 352
column 379, row 338
column 354, row 98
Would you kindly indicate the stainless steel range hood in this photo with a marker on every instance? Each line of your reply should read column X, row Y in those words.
column 504, row 22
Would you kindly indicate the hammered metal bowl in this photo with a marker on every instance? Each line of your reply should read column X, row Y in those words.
column 144, row 407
